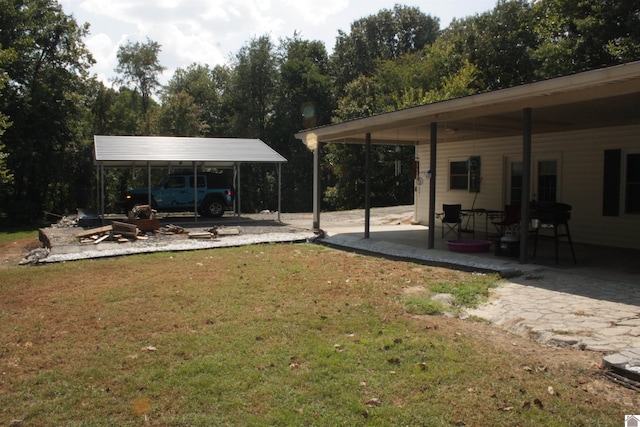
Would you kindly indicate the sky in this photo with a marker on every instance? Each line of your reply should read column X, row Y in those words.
column 211, row 32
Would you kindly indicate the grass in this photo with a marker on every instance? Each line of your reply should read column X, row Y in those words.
column 424, row 306
column 11, row 235
column 470, row 291
column 467, row 292
column 267, row 335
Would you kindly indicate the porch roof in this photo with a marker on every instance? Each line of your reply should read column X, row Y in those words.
column 591, row 99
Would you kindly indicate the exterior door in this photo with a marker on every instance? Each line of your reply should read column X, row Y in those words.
column 515, row 183
column 512, row 192
column 546, row 178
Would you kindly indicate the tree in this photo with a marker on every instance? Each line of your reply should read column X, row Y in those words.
column 436, row 73
column 386, row 35
column 202, row 84
column 304, row 98
column 499, row 43
column 575, row 36
column 139, row 67
column 181, row 116
column 6, row 178
column 44, row 99
column 253, row 84
column 249, row 98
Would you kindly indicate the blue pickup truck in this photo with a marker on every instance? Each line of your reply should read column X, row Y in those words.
column 175, row 193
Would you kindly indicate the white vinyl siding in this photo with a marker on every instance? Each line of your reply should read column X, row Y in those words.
column 580, row 178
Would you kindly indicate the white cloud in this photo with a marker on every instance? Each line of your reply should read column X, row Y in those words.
column 210, row 31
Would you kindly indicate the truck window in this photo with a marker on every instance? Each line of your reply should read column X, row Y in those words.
column 217, row 181
column 175, row 182
column 200, row 181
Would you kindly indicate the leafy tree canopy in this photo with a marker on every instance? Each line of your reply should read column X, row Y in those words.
column 387, row 35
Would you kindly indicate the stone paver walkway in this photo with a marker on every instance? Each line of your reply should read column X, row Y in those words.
column 548, row 305
column 567, row 310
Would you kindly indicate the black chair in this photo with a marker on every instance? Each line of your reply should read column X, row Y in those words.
column 451, row 219
column 510, row 220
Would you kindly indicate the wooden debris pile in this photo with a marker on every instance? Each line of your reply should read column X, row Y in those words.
column 120, row 232
column 209, row 233
column 171, row 229
column 214, row 232
column 124, row 232
column 143, row 217
column 142, row 212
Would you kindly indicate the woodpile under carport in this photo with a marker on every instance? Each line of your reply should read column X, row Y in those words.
column 125, row 232
column 121, row 232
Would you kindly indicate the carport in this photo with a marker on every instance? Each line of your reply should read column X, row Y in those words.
column 182, row 152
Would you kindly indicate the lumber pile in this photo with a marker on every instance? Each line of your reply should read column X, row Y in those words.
column 121, row 232
column 214, row 232
column 209, row 233
column 171, row 229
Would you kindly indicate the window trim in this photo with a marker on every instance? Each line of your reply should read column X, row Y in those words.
column 450, row 176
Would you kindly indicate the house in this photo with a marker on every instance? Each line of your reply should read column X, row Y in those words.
column 572, row 139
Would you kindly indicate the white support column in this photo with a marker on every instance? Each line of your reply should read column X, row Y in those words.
column 102, row 208
column 195, row 191
column 149, row 183
column 316, row 187
column 279, row 165
column 238, row 192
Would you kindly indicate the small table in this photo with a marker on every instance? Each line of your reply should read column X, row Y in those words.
column 488, row 214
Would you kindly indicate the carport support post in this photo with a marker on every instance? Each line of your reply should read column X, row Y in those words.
column 317, row 194
column 279, row 165
column 367, row 186
column 433, row 145
column 101, row 194
column 149, row 183
column 195, row 191
column 236, row 186
column 238, row 192
column 526, row 184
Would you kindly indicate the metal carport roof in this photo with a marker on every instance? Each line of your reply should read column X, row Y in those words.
column 164, row 150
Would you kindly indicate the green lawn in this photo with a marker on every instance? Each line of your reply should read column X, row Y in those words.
column 283, row 335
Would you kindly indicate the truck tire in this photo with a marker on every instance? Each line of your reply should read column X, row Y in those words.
column 213, row 208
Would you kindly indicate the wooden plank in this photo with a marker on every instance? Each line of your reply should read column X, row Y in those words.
column 130, row 234
column 200, row 235
column 99, row 230
column 228, row 231
column 117, row 225
column 145, row 224
column 127, row 230
column 106, row 236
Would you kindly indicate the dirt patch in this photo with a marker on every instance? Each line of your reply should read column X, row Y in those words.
column 541, row 359
column 12, row 252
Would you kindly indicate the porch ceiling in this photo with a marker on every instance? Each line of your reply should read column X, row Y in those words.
column 593, row 99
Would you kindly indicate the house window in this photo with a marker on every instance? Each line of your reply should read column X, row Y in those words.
column 515, row 185
column 632, row 184
column 547, row 180
column 458, row 175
